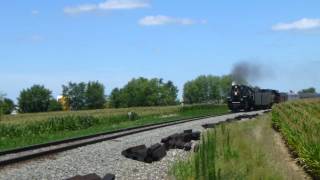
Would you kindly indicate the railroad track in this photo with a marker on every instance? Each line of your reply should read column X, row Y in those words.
column 27, row 153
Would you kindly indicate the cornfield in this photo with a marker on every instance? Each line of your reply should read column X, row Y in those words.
column 299, row 123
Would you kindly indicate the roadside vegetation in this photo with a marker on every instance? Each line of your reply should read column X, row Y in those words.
column 240, row 150
column 21, row 130
column 299, row 123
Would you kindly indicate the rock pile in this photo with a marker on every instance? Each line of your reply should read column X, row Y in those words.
column 237, row 118
column 157, row 151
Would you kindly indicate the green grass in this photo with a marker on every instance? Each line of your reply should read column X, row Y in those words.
column 14, row 135
column 299, row 123
column 240, row 150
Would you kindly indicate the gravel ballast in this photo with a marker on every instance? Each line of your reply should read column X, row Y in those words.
column 105, row 157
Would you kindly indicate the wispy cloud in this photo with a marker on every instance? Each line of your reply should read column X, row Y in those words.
column 164, row 20
column 302, row 24
column 34, row 38
column 35, row 12
column 107, row 5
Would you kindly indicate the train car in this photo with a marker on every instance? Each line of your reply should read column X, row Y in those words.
column 265, row 98
column 243, row 97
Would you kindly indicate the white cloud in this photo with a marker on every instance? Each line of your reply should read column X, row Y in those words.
column 123, row 4
column 107, row 5
column 163, row 20
column 35, row 12
column 34, row 38
column 302, row 24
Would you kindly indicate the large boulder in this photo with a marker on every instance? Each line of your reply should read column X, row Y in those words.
column 157, row 152
column 138, row 153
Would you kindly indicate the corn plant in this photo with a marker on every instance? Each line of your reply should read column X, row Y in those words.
column 299, row 123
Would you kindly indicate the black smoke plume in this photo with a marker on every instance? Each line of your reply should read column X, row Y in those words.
column 246, row 72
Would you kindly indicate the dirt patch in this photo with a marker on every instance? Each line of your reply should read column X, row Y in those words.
column 297, row 171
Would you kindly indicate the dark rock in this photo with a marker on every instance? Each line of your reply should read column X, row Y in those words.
column 187, row 146
column 180, row 144
column 211, row 125
column 77, row 177
column 165, row 140
column 196, row 135
column 109, row 177
column 187, row 137
column 157, row 152
column 86, row 177
column 187, row 131
column 153, row 147
column 138, row 153
column 230, row 120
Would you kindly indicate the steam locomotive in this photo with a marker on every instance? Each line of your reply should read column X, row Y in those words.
column 246, row 98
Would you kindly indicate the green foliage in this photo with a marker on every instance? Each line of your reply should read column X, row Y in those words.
column 35, row 99
column 95, row 97
column 82, row 95
column 116, row 98
column 1, row 105
column 299, row 123
column 144, row 92
column 75, row 94
column 206, row 89
column 54, row 105
column 243, row 150
column 7, row 106
column 311, row 90
column 54, row 124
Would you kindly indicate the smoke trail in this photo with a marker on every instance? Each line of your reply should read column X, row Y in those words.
column 245, row 72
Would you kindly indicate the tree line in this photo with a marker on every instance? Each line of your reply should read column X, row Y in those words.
column 137, row 92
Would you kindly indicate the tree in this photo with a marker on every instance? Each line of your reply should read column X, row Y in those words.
column 95, row 97
column 225, row 86
column 35, row 99
column 310, row 90
column 54, row 105
column 115, row 98
column 1, row 104
column 208, row 88
column 202, row 89
column 80, row 96
column 7, row 106
column 75, row 94
column 144, row 92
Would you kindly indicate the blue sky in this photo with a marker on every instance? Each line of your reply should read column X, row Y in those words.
column 53, row 42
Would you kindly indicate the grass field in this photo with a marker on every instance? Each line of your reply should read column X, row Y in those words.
column 240, row 150
column 299, row 123
column 28, row 129
column 29, row 117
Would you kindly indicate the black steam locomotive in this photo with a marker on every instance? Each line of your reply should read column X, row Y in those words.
column 247, row 98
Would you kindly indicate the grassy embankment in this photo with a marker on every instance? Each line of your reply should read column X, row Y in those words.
column 299, row 124
column 28, row 129
column 239, row 150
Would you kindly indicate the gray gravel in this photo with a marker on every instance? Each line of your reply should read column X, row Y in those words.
column 105, row 157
